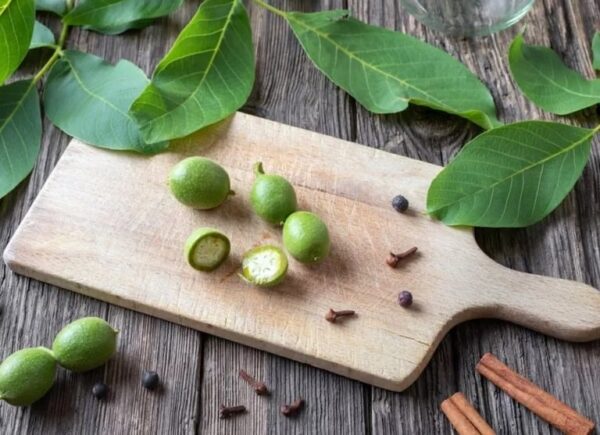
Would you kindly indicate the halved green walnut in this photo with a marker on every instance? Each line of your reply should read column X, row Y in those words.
column 206, row 249
column 264, row 266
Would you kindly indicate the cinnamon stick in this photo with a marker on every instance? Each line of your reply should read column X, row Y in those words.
column 546, row 406
column 464, row 418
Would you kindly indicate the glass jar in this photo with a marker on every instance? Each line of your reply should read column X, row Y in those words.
column 468, row 17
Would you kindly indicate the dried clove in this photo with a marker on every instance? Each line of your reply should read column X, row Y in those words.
column 394, row 259
column 259, row 386
column 229, row 411
column 332, row 315
column 293, row 408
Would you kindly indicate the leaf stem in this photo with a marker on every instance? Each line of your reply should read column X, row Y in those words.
column 270, row 8
column 58, row 48
column 58, row 52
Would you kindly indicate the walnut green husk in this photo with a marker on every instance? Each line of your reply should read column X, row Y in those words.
column 27, row 375
column 85, row 344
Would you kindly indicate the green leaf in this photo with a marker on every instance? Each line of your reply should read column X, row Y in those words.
column 596, row 50
column 116, row 16
column 207, row 75
column 115, row 30
column 88, row 98
column 20, row 132
column 42, row 37
column 16, row 27
column 511, row 176
column 548, row 82
column 385, row 70
column 59, row 7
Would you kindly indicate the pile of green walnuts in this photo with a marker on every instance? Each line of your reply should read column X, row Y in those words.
column 28, row 374
column 203, row 184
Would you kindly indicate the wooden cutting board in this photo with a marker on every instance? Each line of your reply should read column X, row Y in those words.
column 105, row 225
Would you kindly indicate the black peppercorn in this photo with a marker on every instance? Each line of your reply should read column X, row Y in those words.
column 150, row 380
column 400, row 203
column 405, row 299
column 100, row 390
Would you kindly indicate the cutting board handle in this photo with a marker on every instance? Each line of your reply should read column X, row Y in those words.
column 565, row 309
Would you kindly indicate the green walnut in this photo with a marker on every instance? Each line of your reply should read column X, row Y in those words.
column 199, row 183
column 27, row 375
column 206, row 249
column 272, row 197
column 85, row 344
column 264, row 266
column 306, row 238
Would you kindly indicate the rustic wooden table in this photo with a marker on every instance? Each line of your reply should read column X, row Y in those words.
column 200, row 371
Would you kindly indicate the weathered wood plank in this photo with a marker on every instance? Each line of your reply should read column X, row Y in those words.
column 32, row 312
column 559, row 246
column 288, row 89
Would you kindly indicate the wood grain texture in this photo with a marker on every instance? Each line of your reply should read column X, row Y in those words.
column 120, row 246
column 290, row 90
column 555, row 247
column 32, row 313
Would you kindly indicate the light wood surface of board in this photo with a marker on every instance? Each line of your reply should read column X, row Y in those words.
column 106, row 225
